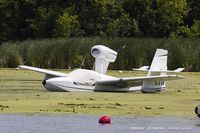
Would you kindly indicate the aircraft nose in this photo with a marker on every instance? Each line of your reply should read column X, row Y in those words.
column 44, row 82
column 57, row 84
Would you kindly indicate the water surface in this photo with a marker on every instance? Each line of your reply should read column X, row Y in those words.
column 51, row 123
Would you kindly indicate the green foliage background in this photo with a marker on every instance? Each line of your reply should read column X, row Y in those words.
column 60, row 33
column 33, row 19
column 72, row 52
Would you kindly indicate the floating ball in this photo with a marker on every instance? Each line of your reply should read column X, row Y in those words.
column 104, row 120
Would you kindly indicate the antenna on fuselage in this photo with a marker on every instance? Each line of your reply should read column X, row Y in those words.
column 124, row 46
column 82, row 63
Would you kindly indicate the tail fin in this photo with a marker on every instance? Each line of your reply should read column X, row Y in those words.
column 157, row 68
column 159, row 63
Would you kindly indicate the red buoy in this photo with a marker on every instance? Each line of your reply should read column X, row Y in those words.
column 104, row 120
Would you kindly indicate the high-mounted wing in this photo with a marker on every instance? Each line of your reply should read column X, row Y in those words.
column 48, row 73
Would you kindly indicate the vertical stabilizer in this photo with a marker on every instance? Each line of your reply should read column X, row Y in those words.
column 158, row 67
column 159, row 62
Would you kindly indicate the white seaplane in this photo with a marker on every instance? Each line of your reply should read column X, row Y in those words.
column 97, row 80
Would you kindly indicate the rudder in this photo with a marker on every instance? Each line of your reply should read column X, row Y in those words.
column 159, row 62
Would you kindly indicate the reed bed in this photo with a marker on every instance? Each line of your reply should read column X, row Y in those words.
column 75, row 52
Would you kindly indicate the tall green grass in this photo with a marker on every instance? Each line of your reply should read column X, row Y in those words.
column 71, row 52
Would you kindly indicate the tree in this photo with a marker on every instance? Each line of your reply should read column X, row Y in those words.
column 9, row 16
column 171, row 15
column 195, row 29
column 157, row 17
column 67, row 25
column 144, row 12
column 94, row 15
column 193, row 14
column 122, row 27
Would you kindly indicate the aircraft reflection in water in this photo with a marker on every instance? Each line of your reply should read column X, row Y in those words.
column 97, row 80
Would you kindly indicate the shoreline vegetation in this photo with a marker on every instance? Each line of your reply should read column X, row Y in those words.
column 22, row 92
column 64, row 53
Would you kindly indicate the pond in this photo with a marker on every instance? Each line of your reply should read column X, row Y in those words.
column 65, row 123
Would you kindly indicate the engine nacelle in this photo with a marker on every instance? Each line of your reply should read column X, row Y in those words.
column 103, row 56
column 104, row 53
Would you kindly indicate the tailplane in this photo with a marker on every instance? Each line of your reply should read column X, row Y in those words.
column 158, row 68
column 158, row 65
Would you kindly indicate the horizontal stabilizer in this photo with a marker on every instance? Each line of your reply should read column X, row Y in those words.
column 179, row 70
column 143, row 68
